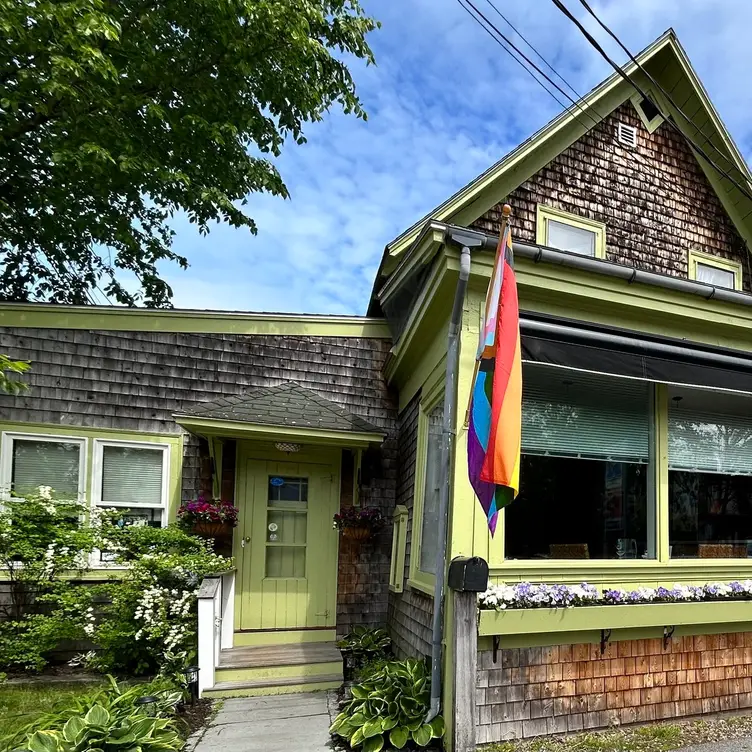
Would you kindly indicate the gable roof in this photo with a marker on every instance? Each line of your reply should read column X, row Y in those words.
column 288, row 405
column 666, row 60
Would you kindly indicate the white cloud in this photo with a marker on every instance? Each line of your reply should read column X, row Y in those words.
column 444, row 103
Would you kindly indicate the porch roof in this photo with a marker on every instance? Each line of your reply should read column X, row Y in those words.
column 288, row 410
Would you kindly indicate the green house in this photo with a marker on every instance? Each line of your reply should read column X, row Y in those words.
column 633, row 272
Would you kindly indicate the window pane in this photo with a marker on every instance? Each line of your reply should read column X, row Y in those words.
column 285, row 561
column 578, row 509
column 711, row 275
column 710, row 474
column 288, row 492
column 585, row 489
column 46, row 463
column 569, row 413
column 429, row 538
column 132, row 476
column 568, row 238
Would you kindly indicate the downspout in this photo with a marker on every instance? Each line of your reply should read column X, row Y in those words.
column 447, row 444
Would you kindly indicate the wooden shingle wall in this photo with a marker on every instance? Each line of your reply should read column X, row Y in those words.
column 135, row 381
column 655, row 200
column 410, row 611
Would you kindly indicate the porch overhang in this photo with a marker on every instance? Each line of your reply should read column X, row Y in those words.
column 231, row 429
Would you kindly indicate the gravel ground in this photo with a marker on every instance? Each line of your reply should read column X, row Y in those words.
column 723, row 734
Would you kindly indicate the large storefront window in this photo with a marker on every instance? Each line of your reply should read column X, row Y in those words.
column 710, row 474
column 586, row 476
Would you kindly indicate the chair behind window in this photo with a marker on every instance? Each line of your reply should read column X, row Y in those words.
column 569, row 550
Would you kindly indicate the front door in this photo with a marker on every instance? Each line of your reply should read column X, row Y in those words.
column 286, row 547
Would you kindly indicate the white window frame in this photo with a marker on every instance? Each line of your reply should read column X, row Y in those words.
column 97, row 468
column 697, row 258
column 96, row 487
column 6, row 458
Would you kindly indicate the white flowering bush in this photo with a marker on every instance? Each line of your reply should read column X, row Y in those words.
column 533, row 595
column 44, row 541
column 146, row 621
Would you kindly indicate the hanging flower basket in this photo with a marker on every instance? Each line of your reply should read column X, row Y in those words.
column 357, row 533
column 358, row 523
column 212, row 518
column 212, row 529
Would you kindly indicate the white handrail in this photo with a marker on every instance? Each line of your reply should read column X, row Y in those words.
column 216, row 601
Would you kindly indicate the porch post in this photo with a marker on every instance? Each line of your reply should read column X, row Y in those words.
column 465, row 652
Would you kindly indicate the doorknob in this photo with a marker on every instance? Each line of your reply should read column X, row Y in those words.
column 245, row 540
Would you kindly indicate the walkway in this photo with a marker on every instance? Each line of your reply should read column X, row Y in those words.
column 281, row 723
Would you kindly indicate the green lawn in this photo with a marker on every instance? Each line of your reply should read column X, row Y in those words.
column 20, row 704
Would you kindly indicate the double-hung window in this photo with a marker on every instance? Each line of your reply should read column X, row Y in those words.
column 32, row 460
column 134, row 477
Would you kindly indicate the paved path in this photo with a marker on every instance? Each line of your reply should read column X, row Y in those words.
column 283, row 723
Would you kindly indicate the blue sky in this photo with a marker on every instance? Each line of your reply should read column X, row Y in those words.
column 444, row 103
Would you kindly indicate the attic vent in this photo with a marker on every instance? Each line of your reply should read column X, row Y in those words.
column 627, row 135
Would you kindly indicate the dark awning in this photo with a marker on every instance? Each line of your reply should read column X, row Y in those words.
column 622, row 352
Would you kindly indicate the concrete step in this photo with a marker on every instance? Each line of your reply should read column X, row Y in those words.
column 278, row 686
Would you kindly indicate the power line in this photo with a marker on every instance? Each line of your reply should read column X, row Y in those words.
column 655, row 83
column 567, row 108
column 744, row 191
column 532, row 47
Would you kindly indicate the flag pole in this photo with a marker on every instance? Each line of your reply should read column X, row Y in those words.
column 506, row 212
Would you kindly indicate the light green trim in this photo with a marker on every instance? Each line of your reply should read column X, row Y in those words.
column 399, row 544
column 277, row 671
column 698, row 257
column 545, row 213
column 107, row 318
column 650, row 125
column 256, row 431
column 583, row 618
column 216, row 447
column 283, row 637
column 422, row 584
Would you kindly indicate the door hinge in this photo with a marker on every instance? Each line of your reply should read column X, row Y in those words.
column 325, row 614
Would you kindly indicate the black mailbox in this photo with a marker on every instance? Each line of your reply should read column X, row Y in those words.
column 469, row 574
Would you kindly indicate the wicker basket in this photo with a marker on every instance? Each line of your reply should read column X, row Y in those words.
column 212, row 529
column 356, row 533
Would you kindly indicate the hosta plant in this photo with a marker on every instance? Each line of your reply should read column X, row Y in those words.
column 387, row 710
column 110, row 721
column 366, row 640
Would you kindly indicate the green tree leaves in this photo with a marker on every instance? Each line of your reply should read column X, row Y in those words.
column 114, row 116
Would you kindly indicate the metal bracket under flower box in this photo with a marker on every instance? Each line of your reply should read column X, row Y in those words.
column 523, row 621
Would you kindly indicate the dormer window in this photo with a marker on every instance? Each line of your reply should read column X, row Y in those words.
column 569, row 232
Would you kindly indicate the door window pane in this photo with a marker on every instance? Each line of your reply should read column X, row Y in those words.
column 286, row 561
column 585, row 489
column 286, row 526
column 429, row 536
column 132, row 475
column 712, row 275
column 286, row 491
column 569, row 238
column 710, row 474
column 46, row 463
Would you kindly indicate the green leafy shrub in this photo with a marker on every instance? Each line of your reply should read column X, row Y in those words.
column 146, row 621
column 109, row 719
column 363, row 646
column 43, row 541
column 388, row 708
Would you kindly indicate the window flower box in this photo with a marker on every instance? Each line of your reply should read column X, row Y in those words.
column 520, row 621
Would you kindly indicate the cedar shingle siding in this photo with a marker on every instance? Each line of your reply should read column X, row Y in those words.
column 410, row 612
column 655, row 200
column 136, row 380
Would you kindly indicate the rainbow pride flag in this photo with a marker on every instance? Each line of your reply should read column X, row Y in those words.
column 495, row 413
